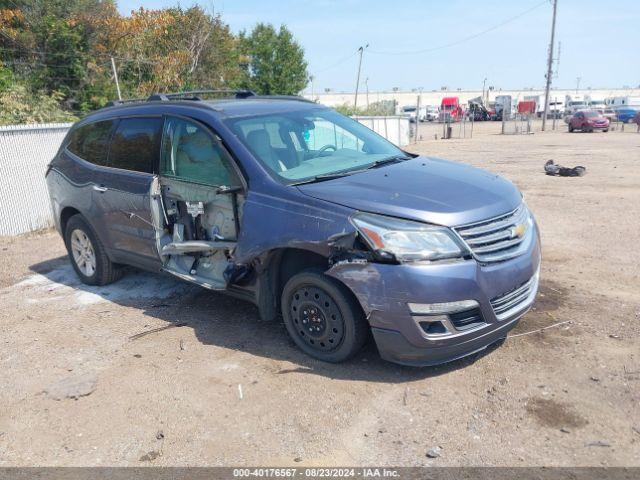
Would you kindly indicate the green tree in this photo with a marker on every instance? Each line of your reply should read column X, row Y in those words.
column 20, row 105
column 273, row 61
column 60, row 50
column 50, row 45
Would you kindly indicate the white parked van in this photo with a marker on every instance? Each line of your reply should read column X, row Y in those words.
column 556, row 108
column 573, row 103
column 410, row 111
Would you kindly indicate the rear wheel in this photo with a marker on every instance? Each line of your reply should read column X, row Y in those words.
column 322, row 317
column 87, row 254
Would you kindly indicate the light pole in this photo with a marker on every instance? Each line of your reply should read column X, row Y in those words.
column 355, row 100
column 311, row 78
column 578, row 83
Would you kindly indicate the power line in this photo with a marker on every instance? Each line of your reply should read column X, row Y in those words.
column 215, row 55
column 74, row 55
column 42, row 64
column 339, row 62
column 465, row 39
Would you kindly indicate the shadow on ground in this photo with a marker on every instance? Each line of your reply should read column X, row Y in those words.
column 219, row 320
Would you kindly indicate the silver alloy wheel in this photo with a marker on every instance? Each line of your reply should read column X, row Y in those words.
column 83, row 253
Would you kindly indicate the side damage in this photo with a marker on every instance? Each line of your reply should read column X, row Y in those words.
column 339, row 256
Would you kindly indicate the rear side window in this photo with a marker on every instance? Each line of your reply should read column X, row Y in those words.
column 135, row 144
column 90, row 142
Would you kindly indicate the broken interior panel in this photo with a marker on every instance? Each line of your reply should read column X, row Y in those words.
column 197, row 204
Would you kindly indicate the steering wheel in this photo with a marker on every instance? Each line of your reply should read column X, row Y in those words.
column 325, row 148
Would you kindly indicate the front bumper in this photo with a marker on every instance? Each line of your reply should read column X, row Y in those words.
column 385, row 292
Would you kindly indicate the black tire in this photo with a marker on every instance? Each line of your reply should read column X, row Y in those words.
column 105, row 270
column 322, row 317
column 570, row 128
column 605, row 130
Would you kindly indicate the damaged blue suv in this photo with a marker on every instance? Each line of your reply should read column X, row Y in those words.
column 306, row 213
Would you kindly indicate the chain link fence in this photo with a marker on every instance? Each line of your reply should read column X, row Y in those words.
column 25, row 151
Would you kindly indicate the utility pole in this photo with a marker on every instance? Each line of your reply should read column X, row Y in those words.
column 115, row 76
column 355, row 100
column 484, row 82
column 578, row 83
column 311, row 78
column 366, row 84
column 417, row 137
column 549, row 66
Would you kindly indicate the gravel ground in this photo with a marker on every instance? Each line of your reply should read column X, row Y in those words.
column 220, row 388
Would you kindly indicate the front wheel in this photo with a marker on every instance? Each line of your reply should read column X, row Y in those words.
column 570, row 128
column 87, row 254
column 322, row 317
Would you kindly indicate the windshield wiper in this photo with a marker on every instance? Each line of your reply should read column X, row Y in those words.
column 376, row 164
column 385, row 161
column 324, row 177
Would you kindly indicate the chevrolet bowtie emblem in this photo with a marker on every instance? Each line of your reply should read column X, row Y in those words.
column 518, row 231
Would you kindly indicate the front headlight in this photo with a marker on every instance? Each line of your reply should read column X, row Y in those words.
column 407, row 240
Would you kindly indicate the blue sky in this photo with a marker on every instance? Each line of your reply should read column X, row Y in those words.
column 599, row 40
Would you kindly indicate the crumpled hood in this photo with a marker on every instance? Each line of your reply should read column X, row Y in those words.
column 424, row 189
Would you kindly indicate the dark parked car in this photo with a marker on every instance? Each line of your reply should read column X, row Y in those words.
column 588, row 121
column 306, row 213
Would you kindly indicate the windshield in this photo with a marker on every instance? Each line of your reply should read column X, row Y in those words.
column 303, row 145
column 409, row 109
column 591, row 114
column 576, row 104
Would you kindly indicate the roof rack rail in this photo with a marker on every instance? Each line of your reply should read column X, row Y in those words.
column 113, row 103
column 195, row 94
column 297, row 98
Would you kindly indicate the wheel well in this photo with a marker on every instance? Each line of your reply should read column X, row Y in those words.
column 65, row 215
column 286, row 263
column 291, row 261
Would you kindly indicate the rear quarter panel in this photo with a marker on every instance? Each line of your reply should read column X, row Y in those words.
column 70, row 183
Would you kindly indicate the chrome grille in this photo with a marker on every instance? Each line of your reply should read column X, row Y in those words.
column 495, row 240
column 516, row 300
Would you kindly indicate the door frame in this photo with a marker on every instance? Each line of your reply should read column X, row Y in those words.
column 217, row 139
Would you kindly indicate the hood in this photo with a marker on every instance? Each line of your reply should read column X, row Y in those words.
column 424, row 189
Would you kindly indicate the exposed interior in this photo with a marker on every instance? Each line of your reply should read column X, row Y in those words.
column 197, row 229
column 196, row 203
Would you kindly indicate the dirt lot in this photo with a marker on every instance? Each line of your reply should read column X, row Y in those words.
column 221, row 388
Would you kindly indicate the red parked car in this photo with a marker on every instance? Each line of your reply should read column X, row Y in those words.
column 588, row 121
